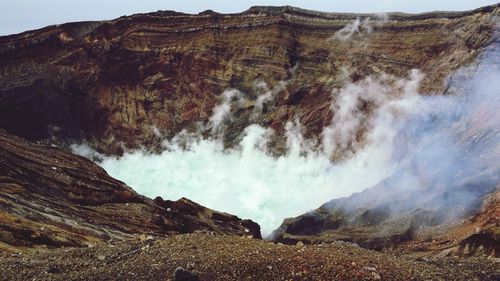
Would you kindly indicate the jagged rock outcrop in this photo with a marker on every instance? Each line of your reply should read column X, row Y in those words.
column 446, row 191
column 449, row 199
column 119, row 83
column 481, row 234
column 50, row 197
column 378, row 222
column 110, row 82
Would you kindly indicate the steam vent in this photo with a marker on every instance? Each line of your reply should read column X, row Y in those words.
column 278, row 143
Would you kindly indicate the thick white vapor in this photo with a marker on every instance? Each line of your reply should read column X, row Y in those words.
column 222, row 111
column 376, row 105
column 347, row 31
column 266, row 95
column 445, row 149
column 249, row 182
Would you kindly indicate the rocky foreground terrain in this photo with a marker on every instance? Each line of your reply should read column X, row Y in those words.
column 221, row 257
column 123, row 83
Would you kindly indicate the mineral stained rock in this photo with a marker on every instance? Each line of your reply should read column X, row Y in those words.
column 120, row 83
column 111, row 82
column 52, row 198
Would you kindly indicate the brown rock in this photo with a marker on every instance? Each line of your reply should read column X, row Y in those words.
column 110, row 81
column 54, row 198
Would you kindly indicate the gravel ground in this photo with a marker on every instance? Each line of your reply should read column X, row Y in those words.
column 219, row 257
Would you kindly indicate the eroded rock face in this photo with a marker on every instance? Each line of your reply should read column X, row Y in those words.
column 453, row 202
column 481, row 234
column 110, row 82
column 446, row 193
column 53, row 198
column 389, row 221
column 119, row 83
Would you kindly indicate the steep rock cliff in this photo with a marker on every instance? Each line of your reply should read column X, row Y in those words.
column 446, row 194
column 111, row 82
column 119, row 83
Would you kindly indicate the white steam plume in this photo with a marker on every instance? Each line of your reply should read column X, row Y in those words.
column 374, row 104
column 382, row 131
column 360, row 27
column 251, row 183
column 266, row 95
column 222, row 112
column 156, row 131
column 86, row 151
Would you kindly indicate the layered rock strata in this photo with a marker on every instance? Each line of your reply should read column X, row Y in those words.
column 52, row 198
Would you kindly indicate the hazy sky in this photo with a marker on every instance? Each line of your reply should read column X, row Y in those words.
column 20, row 15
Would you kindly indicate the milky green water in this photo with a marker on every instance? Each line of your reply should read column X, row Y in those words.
column 248, row 182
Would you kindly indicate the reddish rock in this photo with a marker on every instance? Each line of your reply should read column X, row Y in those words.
column 111, row 81
column 50, row 197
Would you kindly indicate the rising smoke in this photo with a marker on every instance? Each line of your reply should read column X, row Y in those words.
column 223, row 111
column 417, row 143
column 359, row 27
column 248, row 181
column 448, row 155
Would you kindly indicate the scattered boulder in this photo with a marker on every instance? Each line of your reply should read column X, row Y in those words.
column 182, row 274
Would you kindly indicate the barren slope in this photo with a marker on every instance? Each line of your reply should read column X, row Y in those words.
column 235, row 258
